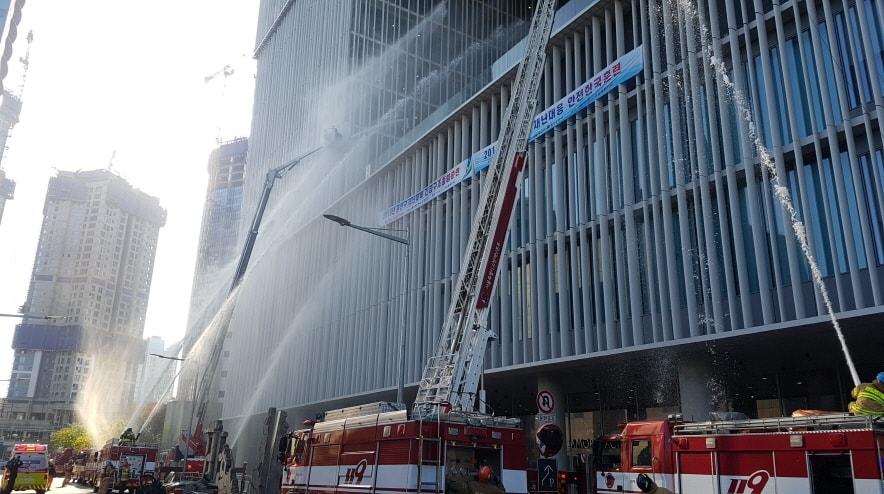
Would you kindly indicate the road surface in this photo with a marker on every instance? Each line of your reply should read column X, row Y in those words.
column 68, row 489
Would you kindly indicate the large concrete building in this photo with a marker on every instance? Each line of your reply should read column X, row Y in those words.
column 92, row 274
column 649, row 268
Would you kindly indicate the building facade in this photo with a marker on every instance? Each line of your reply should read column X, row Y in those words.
column 92, row 274
column 650, row 268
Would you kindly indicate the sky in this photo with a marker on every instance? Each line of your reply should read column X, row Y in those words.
column 111, row 77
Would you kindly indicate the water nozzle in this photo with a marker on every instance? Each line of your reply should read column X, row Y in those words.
column 331, row 135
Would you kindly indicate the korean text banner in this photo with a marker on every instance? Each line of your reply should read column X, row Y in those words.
column 618, row 72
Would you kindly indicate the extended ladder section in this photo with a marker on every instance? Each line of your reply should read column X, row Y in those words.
column 451, row 376
column 838, row 421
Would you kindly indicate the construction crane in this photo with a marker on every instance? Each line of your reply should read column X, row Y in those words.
column 224, row 72
column 451, row 376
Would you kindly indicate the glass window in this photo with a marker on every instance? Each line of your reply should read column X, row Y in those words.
column 829, row 72
column 780, row 95
column 877, row 38
column 816, row 225
column 760, row 97
column 860, row 60
column 795, row 192
column 609, row 456
column 670, row 157
column 779, row 224
column 748, row 245
column 795, row 79
column 837, row 231
column 872, row 207
column 641, row 453
column 853, row 211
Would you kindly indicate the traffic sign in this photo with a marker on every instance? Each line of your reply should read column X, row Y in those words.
column 545, row 402
column 550, row 440
column 546, row 475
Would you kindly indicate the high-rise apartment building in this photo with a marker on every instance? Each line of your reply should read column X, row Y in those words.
column 92, row 273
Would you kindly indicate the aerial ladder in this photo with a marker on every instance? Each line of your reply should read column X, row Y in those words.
column 451, row 377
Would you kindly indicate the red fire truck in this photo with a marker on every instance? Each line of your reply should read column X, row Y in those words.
column 836, row 453
column 131, row 463
column 385, row 452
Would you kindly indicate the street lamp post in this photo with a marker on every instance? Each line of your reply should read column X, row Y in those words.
column 32, row 316
column 379, row 232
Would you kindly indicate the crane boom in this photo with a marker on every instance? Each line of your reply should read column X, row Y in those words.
column 451, row 375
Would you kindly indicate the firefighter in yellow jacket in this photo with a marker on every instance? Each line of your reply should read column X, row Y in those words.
column 868, row 398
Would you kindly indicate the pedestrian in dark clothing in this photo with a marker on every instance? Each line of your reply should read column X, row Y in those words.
column 11, row 474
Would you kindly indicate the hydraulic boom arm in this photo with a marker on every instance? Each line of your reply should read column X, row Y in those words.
column 451, row 376
column 208, row 376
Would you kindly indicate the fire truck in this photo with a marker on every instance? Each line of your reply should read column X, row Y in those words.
column 355, row 451
column 836, row 453
column 131, row 462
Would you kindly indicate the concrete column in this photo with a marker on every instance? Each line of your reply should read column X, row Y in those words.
column 694, row 383
column 548, row 383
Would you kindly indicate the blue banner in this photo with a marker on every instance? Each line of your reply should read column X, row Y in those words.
column 620, row 71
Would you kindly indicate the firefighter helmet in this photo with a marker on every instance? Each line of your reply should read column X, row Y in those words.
column 644, row 483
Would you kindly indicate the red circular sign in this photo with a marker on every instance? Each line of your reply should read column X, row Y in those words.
column 545, row 402
column 550, row 440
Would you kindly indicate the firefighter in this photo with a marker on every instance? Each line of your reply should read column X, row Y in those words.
column 128, row 437
column 12, row 473
column 108, row 475
column 645, row 484
column 868, row 398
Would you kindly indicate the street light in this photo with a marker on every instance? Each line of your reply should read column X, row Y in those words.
column 166, row 357
column 380, row 232
column 31, row 316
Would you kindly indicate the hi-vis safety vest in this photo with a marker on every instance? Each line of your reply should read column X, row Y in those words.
column 869, row 401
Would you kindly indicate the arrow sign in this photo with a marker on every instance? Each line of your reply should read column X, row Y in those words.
column 547, row 471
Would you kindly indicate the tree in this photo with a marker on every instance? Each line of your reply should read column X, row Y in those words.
column 73, row 436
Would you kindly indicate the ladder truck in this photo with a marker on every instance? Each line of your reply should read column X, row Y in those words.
column 442, row 445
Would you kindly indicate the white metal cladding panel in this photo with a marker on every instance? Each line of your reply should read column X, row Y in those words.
column 637, row 222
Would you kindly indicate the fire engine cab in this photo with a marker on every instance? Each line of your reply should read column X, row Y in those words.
column 836, row 453
column 352, row 450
